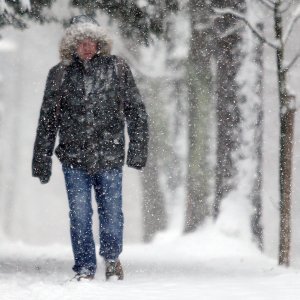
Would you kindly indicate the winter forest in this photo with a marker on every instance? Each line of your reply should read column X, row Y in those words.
column 214, row 214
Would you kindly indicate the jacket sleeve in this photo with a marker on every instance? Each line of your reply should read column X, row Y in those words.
column 47, row 129
column 136, row 118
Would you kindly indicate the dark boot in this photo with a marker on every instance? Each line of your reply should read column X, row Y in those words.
column 114, row 268
column 84, row 277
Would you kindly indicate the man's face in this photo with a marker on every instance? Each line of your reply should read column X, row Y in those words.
column 86, row 49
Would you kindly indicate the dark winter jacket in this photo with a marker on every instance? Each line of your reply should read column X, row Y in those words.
column 88, row 104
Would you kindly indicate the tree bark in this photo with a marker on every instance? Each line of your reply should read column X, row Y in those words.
column 228, row 57
column 287, row 111
column 286, row 153
column 255, row 195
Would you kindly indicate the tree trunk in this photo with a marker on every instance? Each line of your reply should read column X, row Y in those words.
column 286, row 153
column 251, row 125
column 228, row 57
column 255, row 195
column 154, row 213
column 200, row 99
column 175, row 92
column 154, row 207
column 287, row 112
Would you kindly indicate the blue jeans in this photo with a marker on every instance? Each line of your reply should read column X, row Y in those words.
column 108, row 192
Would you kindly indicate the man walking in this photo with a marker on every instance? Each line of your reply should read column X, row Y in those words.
column 88, row 98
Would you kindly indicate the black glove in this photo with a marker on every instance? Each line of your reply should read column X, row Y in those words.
column 136, row 162
column 137, row 167
column 44, row 179
column 42, row 169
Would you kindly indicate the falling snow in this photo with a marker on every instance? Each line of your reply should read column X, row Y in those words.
column 219, row 260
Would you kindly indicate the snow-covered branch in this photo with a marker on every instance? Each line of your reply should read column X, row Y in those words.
column 240, row 16
column 290, row 27
column 25, row 5
column 288, row 6
column 230, row 31
column 293, row 61
column 267, row 3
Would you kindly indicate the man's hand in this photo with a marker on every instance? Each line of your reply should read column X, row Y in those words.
column 44, row 179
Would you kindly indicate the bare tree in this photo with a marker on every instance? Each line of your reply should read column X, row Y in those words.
column 286, row 109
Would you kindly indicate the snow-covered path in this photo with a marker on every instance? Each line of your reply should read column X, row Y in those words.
column 207, row 265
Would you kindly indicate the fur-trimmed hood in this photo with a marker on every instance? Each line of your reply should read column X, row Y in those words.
column 76, row 33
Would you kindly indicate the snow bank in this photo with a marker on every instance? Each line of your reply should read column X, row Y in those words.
column 206, row 265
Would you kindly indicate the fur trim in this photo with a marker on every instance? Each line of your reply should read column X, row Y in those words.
column 76, row 33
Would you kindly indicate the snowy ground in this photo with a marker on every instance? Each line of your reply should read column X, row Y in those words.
column 204, row 265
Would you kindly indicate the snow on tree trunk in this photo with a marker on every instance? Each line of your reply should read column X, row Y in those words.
column 249, row 154
column 200, row 100
column 228, row 60
column 239, row 161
